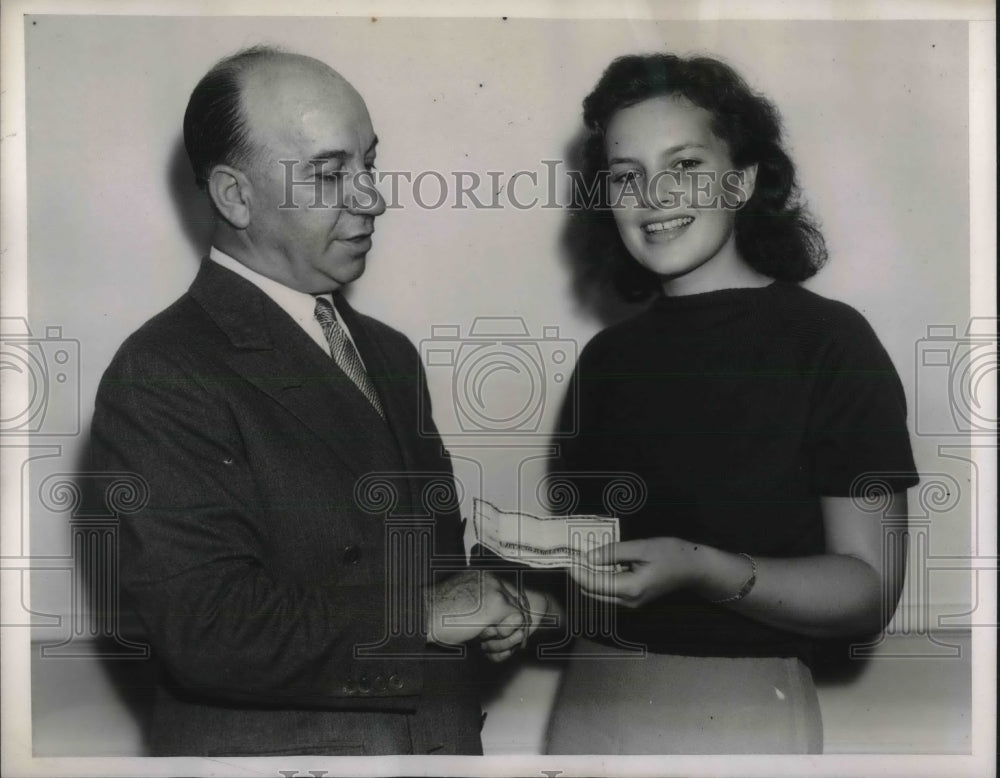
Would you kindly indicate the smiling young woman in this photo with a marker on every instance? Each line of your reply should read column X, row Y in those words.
column 674, row 216
column 753, row 410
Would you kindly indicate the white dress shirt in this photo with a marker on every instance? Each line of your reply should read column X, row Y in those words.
column 301, row 306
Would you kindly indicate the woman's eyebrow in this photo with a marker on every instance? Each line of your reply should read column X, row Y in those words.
column 664, row 153
column 682, row 147
column 618, row 160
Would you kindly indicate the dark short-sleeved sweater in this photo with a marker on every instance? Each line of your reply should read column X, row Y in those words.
column 738, row 409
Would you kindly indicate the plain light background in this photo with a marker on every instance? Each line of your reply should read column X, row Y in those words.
column 877, row 121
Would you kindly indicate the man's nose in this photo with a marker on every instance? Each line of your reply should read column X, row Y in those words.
column 365, row 198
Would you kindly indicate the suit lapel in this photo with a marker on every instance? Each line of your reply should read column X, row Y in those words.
column 272, row 353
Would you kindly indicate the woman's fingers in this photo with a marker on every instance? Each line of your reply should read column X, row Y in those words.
column 621, row 553
column 602, row 580
column 606, row 585
column 602, row 555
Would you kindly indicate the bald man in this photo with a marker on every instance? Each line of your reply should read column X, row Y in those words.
column 265, row 415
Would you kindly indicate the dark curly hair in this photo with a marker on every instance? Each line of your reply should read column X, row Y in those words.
column 774, row 234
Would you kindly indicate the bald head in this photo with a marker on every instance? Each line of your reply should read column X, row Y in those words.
column 246, row 96
column 289, row 103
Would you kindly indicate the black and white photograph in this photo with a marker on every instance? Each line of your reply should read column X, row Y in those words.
column 498, row 389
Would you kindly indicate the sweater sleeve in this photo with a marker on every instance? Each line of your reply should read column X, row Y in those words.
column 857, row 428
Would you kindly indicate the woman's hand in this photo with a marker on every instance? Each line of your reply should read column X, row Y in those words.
column 839, row 593
column 635, row 572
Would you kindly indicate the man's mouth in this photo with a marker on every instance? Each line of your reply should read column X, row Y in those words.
column 669, row 226
column 358, row 244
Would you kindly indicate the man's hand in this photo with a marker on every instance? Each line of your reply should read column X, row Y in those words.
column 463, row 606
column 500, row 641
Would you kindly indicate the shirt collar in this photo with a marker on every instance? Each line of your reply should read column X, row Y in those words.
column 300, row 306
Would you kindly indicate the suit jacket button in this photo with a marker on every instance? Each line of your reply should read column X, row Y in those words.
column 352, row 555
column 395, row 681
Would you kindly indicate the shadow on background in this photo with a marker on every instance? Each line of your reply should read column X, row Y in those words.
column 194, row 213
column 92, row 681
column 591, row 248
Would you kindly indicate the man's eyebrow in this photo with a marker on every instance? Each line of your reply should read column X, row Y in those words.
column 338, row 154
column 664, row 153
column 323, row 156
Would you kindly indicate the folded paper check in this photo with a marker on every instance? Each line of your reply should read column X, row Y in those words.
column 541, row 541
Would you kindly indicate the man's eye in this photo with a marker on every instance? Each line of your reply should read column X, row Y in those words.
column 688, row 164
column 336, row 175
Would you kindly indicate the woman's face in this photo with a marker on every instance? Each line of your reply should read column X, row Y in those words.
column 674, row 192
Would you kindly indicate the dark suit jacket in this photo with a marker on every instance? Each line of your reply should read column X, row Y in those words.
column 260, row 567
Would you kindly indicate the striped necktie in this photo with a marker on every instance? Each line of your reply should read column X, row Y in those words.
column 344, row 353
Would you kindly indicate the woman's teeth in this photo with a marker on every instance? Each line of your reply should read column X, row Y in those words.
column 670, row 224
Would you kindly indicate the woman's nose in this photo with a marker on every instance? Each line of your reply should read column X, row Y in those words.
column 667, row 189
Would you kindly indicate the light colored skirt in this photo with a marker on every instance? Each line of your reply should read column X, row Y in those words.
column 667, row 704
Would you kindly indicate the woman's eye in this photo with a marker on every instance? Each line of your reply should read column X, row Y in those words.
column 688, row 164
column 627, row 176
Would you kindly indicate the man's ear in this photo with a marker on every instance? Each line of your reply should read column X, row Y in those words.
column 231, row 193
column 748, row 181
